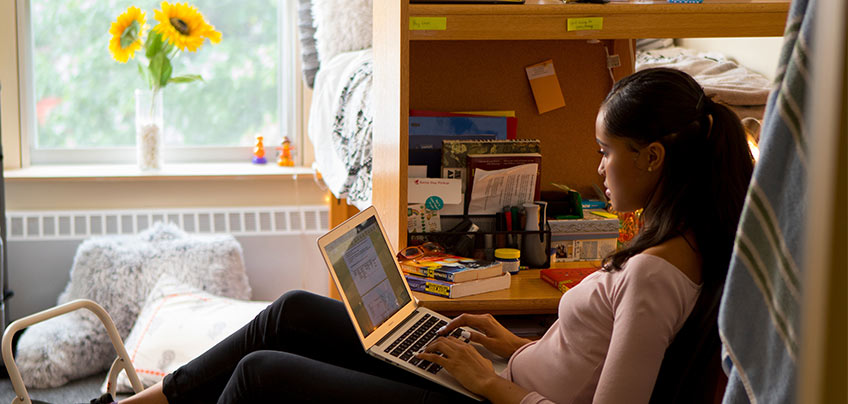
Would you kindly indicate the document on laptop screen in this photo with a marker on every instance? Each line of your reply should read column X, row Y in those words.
column 364, row 264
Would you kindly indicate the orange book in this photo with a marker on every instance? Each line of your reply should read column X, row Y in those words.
column 565, row 278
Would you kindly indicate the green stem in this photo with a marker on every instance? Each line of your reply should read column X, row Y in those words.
column 153, row 94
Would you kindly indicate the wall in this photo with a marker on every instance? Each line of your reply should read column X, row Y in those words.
column 39, row 269
column 758, row 54
column 9, row 83
column 278, row 246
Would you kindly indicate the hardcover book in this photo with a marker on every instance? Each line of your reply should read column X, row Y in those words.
column 455, row 152
column 455, row 290
column 451, row 268
column 565, row 278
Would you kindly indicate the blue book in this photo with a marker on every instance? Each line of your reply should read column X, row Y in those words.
column 458, row 125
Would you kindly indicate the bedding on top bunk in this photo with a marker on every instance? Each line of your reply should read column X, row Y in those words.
column 340, row 125
column 742, row 89
column 342, row 111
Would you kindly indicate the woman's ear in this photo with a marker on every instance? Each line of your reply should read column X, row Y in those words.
column 655, row 153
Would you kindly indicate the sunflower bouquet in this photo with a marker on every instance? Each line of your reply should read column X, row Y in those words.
column 179, row 27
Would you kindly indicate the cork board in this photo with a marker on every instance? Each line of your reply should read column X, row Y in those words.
column 490, row 75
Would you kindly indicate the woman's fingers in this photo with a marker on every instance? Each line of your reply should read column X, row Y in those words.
column 445, row 345
column 481, row 322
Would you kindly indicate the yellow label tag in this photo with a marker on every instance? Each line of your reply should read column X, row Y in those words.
column 428, row 23
column 440, row 289
column 585, row 24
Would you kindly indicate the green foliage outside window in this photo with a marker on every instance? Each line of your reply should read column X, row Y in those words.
column 85, row 100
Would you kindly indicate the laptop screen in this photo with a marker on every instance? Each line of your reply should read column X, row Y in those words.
column 364, row 264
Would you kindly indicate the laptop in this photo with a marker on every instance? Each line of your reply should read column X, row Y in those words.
column 388, row 321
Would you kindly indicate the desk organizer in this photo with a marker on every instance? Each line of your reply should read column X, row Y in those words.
column 482, row 243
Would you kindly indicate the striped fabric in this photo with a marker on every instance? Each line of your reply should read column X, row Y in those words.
column 759, row 317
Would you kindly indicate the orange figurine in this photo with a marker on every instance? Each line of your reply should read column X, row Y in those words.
column 284, row 158
column 259, row 152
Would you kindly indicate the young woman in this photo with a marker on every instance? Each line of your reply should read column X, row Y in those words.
column 641, row 329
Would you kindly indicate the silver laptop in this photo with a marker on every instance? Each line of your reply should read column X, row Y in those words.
column 387, row 319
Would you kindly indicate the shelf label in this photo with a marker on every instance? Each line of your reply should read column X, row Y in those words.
column 585, row 24
column 428, row 23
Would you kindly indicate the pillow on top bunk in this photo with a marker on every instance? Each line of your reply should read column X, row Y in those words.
column 341, row 26
column 118, row 272
column 178, row 323
column 306, row 31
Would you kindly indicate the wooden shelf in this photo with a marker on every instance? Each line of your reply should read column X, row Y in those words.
column 528, row 295
column 534, row 20
column 477, row 63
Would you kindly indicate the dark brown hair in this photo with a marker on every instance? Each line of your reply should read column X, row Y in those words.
column 702, row 188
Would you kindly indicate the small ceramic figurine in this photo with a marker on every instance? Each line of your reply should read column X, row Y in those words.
column 259, row 152
column 284, row 158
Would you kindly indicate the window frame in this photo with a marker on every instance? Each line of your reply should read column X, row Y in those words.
column 290, row 106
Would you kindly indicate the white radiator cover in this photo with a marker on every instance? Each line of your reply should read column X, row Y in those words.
column 279, row 243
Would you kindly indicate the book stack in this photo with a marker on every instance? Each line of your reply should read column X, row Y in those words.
column 588, row 239
column 452, row 276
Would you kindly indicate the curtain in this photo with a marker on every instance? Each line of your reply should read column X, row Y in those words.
column 759, row 316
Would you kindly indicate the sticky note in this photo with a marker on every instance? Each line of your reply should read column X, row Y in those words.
column 545, row 86
column 585, row 24
column 428, row 23
column 604, row 214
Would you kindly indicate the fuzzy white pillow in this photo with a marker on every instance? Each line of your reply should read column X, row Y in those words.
column 178, row 323
column 341, row 26
column 118, row 272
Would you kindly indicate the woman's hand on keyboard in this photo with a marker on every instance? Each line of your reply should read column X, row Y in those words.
column 463, row 361
column 492, row 335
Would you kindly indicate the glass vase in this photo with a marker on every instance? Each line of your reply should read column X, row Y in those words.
column 149, row 129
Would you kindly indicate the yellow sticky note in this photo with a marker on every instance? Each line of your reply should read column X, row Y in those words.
column 428, row 23
column 545, row 86
column 585, row 24
column 604, row 214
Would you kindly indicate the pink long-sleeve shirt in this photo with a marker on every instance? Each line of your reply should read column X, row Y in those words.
column 610, row 338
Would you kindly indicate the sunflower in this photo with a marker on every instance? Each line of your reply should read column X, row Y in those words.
column 126, row 34
column 184, row 27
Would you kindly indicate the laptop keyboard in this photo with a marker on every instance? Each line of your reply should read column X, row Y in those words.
column 414, row 339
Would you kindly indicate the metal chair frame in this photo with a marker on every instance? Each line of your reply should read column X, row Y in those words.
column 122, row 362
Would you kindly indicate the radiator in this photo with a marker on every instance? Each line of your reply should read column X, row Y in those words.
column 279, row 244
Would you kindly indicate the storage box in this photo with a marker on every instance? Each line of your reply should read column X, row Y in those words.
column 590, row 223
column 582, row 246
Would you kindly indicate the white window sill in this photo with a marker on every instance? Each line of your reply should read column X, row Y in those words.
column 130, row 172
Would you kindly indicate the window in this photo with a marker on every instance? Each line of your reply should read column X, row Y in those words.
column 78, row 103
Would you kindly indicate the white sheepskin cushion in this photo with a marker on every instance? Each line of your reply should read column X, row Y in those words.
column 178, row 323
column 341, row 26
column 118, row 272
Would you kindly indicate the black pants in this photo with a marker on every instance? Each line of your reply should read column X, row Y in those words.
column 301, row 349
